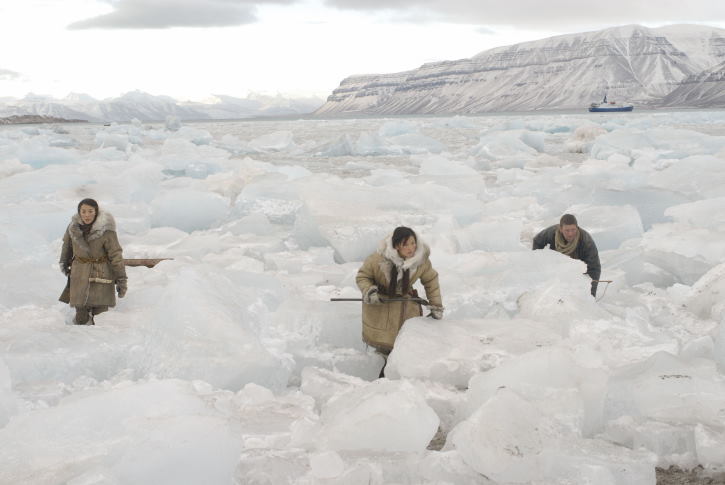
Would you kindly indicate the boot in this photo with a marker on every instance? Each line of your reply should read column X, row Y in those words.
column 82, row 316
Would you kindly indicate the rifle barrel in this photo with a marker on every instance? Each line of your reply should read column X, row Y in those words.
column 385, row 300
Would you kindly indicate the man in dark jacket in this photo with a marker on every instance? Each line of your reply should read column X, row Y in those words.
column 570, row 239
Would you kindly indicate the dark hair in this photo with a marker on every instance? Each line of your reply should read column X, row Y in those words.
column 568, row 220
column 401, row 234
column 92, row 203
column 89, row 202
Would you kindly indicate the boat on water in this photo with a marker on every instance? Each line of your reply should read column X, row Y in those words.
column 609, row 106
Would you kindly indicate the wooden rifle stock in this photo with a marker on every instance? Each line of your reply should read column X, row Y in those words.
column 148, row 262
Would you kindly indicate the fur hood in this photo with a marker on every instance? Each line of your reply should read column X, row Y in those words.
column 104, row 222
column 390, row 254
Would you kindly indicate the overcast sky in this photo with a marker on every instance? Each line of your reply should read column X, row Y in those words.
column 190, row 49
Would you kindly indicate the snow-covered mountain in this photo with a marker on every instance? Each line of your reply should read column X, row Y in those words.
column 225, row 107
column 703, row 90
column 631, row 63
column 142, row 106
column 33, row 104
column 147, row 107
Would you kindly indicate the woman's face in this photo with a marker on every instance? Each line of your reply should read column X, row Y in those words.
column 87, row 213
column 406, row 249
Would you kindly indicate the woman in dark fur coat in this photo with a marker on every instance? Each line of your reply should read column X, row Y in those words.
column 92, row 259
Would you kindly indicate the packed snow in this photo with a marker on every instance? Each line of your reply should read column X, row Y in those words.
column 230, row 364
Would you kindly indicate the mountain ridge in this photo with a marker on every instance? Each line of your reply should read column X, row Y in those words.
column 569, row 71
column 147, row 107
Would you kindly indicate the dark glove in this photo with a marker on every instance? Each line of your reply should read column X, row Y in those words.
column 121, row 287
column 64, row 268
column 436, row 312
column 594, row 288
column 371, row 296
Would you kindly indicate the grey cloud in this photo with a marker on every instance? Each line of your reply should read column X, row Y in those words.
column 543, row 15
column 162, row 14
column 8, row 75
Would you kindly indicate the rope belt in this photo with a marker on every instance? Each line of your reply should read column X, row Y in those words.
column 100, row 280
column 102, row 259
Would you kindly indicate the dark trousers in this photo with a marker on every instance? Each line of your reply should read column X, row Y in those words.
column 384, row 353
column 84, row 315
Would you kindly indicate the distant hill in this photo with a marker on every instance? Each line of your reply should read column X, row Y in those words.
column 28, row 119
column 631, row 63
column 148, row 107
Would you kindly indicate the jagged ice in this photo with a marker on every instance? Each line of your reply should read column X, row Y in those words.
column 230, row 364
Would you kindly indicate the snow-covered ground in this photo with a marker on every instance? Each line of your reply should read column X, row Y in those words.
column 229, row 364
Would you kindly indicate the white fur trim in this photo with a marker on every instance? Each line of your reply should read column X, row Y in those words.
column 390, row 254
column 104, row 222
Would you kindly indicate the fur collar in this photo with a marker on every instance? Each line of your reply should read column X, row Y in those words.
column 104, row 222
column 390, row 254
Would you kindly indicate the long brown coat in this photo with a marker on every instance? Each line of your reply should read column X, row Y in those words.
column 381, row 323
column 92, row 284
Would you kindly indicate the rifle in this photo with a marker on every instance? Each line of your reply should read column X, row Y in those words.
column 385, row 300
column 605, row 288
column 148, row 262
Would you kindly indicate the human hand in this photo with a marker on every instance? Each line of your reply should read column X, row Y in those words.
column 371, row 296
column 121, row 287
column 436, row 312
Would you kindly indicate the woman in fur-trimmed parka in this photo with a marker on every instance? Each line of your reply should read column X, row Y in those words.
column 400, row 261
column 92, row 259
